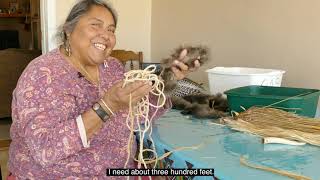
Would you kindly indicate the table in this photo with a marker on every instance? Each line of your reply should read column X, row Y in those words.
column 223, row 147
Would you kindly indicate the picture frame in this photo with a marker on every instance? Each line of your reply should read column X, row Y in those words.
column 13, row 7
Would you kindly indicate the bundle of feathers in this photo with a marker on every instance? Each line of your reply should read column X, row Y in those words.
column 202, row 105
column 187, row 95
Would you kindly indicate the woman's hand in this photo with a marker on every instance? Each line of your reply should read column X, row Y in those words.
column 183, row 70
column 118, row 97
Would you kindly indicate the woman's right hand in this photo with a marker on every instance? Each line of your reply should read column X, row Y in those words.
column 118, row 97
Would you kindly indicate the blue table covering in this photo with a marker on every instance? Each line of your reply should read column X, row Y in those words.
column 222, row 148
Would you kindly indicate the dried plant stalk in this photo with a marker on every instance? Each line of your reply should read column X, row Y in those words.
column 292, row 175
column 270, row 122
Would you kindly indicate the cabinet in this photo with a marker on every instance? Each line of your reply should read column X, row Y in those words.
column 23, row 18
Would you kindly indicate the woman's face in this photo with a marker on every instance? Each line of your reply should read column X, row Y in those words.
column 93, row 38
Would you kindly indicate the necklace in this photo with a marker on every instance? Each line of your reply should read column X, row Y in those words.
column 87, row 74
column 96, row 83
column 77, row 65
column 90, row 78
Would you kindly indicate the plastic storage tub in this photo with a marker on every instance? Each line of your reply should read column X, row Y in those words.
column 225, row 78
column 301, row 101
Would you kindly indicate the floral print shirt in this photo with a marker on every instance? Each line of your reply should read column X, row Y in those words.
column 46, row 144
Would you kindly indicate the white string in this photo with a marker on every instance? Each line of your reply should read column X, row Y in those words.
column 141, row 111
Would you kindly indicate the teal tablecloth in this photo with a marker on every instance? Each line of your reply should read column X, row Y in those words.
column 223, row 147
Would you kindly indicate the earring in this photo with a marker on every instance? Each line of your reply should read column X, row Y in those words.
column 67, row 48
column 105, row 64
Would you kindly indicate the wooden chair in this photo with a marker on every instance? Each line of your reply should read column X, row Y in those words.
column 125, row 56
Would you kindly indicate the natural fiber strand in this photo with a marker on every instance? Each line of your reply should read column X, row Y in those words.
column 141, row 111
column 270, row 122
column 243, row 161
column 278, row 102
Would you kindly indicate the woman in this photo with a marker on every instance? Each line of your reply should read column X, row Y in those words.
column 69, row 109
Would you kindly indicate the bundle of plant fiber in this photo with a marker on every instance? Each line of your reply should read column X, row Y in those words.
column 271, row 122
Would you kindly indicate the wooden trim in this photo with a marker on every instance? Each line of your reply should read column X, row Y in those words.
column 4, row 144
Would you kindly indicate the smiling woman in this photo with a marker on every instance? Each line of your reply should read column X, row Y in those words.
column 96, row 29
column 69, row 108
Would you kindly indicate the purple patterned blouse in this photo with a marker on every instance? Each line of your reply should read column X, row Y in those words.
column 46, row 144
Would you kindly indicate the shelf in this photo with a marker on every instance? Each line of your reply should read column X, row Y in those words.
column 14, row 15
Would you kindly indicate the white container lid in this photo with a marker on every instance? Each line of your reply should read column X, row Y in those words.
column 243, row 71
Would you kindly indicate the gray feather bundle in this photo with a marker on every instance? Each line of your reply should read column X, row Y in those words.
column 187, row 95
column 194, row 53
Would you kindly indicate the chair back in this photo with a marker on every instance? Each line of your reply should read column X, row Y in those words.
column 128, row 56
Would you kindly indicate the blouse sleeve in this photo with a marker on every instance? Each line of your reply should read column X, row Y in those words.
column 46, row 118
column 157, row 112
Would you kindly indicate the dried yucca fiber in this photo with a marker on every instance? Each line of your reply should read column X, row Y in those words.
column 271, row 122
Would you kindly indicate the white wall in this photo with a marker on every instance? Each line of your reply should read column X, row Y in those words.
column 133, row 31
column 48, row 24
column 282, row 34
column 134, row 26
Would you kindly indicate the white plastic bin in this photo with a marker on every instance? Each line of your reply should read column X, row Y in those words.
column 225, row 78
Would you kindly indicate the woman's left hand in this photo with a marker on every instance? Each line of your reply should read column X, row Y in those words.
column 180, row 69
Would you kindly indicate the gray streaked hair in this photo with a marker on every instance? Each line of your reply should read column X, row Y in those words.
column 77, row 11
